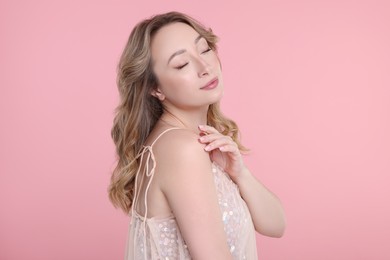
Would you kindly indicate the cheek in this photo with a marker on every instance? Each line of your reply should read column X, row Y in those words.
column 176, row 83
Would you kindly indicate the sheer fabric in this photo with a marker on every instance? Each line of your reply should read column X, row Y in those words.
column 160, row 238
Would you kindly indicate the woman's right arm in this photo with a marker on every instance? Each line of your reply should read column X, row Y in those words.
column 186, row 179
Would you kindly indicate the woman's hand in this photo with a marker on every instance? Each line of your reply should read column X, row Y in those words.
column 223, row 150
column 266, row 209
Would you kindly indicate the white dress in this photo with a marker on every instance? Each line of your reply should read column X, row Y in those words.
column 160, row 238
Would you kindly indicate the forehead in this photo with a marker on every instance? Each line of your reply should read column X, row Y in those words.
column 171, row 38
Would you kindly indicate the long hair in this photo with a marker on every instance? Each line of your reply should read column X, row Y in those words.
column 138, row 111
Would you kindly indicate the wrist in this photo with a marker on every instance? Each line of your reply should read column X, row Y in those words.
column 241, row 177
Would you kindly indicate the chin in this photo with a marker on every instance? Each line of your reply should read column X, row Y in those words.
column 218, row 95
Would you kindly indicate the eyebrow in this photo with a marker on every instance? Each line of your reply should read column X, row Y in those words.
column 182, row 51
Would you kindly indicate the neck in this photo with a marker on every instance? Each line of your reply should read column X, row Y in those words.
column 189, row 119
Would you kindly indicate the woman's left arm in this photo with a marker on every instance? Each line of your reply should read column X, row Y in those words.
column 265, row 207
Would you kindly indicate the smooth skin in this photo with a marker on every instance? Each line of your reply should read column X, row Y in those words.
column 183, row 183
column 265, row 208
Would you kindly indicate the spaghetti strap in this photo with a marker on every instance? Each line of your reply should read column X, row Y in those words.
column 147, row 149
column 163, row 132
column 159, row 237
column 150, row 156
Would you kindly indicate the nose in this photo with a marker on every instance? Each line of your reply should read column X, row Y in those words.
column 203, row 67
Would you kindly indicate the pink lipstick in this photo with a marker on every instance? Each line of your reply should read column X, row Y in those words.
column 211, row 84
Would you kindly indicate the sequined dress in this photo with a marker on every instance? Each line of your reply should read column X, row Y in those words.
column 160, row 238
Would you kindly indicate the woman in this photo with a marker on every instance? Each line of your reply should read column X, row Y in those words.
column 180, row 174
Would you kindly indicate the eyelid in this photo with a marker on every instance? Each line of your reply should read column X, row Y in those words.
column 181, row 66
column 207, row 50
column 185, row 64
column 205, row 44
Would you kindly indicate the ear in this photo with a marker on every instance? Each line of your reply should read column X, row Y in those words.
column 157, row 93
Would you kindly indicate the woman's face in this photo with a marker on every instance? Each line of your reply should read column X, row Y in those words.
column 188, row 71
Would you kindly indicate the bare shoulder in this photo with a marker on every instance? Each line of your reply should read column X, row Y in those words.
column 180, row 155
column 178, row 144
column 184, row 175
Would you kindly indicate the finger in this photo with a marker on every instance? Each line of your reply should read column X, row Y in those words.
column 210, row 138
column 230, row 148
column 216, row 144
column 208, row 129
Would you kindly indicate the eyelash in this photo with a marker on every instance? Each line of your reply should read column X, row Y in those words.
column 182, row 66
column 209, row 49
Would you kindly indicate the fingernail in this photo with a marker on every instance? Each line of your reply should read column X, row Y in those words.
column 207, row 148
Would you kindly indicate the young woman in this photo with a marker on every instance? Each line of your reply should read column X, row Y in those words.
column 180, row 174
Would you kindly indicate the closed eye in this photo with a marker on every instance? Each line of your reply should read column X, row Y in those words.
column 182, row 66
column 209, row 49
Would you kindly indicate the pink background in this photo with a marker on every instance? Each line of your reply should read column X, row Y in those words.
column 307, row 81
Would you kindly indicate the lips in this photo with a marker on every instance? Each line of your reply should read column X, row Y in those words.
column 211, row 84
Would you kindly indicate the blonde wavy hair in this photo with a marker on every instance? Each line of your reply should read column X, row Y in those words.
column 138, row 111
